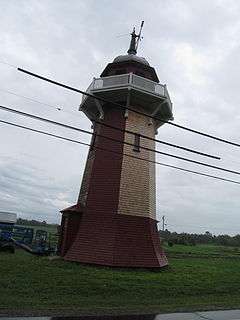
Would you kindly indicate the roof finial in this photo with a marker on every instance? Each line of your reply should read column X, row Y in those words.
column 135, row 40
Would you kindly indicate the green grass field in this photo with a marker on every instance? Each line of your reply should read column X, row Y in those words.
column 202, row 250
column 199, row 278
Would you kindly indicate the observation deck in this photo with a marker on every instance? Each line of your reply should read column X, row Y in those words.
column 129, row 90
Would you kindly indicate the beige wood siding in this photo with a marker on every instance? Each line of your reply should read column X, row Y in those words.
column 137, row 186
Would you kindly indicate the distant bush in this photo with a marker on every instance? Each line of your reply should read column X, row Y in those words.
column 192, row 239
column 27, row 222
column 170, row 243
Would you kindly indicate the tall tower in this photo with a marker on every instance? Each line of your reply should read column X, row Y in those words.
column 114, row 220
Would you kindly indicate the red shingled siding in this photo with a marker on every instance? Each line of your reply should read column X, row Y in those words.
column 123, row 241
column 95, row 239
column 69, row 229
column 137, row 243
column 103, row 236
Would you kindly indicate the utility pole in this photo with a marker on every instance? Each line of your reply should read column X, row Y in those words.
column 163, row 223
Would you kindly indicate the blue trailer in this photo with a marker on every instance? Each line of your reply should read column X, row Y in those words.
column 7, row 222
column 36, row 242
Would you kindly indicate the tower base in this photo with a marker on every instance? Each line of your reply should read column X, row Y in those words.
column 112, row 240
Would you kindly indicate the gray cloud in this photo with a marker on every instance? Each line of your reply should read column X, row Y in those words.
column 27, row 191
column 194, row 47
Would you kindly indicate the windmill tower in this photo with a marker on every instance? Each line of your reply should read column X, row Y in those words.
column 114, row 220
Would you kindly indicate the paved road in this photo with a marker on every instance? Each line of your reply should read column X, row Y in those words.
column 208, row 315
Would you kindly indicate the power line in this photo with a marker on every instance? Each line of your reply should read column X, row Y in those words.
column 157, row 140
column 122, row 130
column 37, row 101
column 115, row 140
column 31, row 99
column 8, row 64
column 123, row 107
column 127, row 108
column 118, row 153
column 43, row 132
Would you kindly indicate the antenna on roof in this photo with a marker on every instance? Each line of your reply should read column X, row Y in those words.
column 139, row 35
column 135, row 40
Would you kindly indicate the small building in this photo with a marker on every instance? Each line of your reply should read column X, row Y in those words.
column 8, row 217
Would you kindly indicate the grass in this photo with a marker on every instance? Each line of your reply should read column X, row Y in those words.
column 203, row 250
column 30, row 284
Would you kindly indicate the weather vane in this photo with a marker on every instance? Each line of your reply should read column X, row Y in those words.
column 135, row 40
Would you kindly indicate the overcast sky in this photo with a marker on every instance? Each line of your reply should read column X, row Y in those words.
column 194, row 48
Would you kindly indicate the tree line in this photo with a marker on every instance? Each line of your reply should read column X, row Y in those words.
column 26, row 222
column 193, row 238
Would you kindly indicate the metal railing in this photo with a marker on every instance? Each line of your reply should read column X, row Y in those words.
column 148, row 85
column 129, row 79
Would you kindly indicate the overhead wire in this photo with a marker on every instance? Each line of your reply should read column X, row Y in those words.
column 112, row 139
column 124, row 107
column 118, row 153
column 116, row 128
column 128, row 108
column 8, row 64
column 157, row 140
column 33, row 100
column 74, row 89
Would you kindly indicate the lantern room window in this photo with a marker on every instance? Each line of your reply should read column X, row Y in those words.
column 136, row 146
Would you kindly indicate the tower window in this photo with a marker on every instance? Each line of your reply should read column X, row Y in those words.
column 136, row 146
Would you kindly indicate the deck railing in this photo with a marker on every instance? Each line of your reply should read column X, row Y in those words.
column 129, row 79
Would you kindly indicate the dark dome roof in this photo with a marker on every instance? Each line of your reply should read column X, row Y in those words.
column 131, row 57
